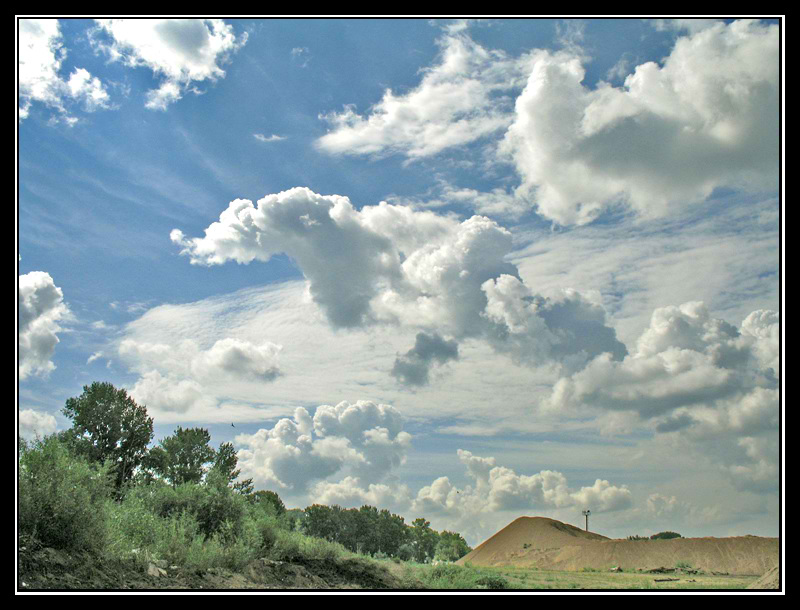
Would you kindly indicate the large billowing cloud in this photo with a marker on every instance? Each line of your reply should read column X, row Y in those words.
column 699, row 377
column 181, row 52
column 706, row 117
column 41, row 53
column 392, row 264
column 460, row 99
column 41, row 308
column 364, row 439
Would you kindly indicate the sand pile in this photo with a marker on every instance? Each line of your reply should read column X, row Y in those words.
column 552, row 545
column 770, row 580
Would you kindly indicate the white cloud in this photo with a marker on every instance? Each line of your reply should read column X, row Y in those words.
column 364, row 438
column 495, row 489
column 185, row 378
column 459, row 100
column 33, row 423
column 706, row 117
column 182, row 52
column 41, row 308
column 403, row 266
column 273, row 138
column 700, row 378
column 41, row 54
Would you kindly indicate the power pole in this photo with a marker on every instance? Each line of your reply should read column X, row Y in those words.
column 586, row 514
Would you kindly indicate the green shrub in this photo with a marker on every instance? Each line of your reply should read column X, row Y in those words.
column 211, row 505
column 62, row 498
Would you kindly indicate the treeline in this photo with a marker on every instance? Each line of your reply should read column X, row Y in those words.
column 97, row 487
column 383, row 534
column 659, row 536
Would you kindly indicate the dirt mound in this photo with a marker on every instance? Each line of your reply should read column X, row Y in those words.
column 770, row 580
column 529, row 538
column 551, row 545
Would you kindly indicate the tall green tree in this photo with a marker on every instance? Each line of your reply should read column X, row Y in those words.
column 225, row 462
column 425, row 539
column 108, row 425
column 182, row 457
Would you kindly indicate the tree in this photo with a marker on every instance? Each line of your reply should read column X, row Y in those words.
column 108, row 425
column 225, row 462
column 665, row 535
column 181, row 458
column 425, row 539
column 270, row 499
column 451, row 546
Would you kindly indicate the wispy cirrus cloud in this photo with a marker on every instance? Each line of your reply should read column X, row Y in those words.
column 464, row 97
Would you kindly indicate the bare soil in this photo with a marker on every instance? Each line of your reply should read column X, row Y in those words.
column 548, row 544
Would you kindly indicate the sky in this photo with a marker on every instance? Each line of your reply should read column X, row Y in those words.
column 461, row 269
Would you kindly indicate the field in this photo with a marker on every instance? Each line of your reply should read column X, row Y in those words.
column 531, row 578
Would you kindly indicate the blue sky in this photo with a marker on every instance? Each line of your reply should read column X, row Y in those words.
column 461, row 269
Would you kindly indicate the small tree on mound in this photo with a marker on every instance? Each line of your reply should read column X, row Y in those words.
column 665, row 535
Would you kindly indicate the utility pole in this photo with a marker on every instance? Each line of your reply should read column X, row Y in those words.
column 586, row 514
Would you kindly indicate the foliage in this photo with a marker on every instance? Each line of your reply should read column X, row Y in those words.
column 665, row 535
column 62, row 497
column 424, row 538
column 268, row 501
column 225, row 461
column 451, row 547
column 108, row 425
column 181, row 458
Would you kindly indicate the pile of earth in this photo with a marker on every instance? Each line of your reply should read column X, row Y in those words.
column 44, row 568
column 770, row 580
column 552, row 545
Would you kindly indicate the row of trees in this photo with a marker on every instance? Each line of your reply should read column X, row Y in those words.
column 379, row 532
column 113, row 432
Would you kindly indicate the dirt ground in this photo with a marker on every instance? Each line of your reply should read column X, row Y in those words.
column 548, row 544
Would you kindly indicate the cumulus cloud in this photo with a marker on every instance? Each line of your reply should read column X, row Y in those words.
column 41, row 54
column 684, row 358
column 713, row 384
column 498, row 488
column 392, row 264
column 35, row 423
column 364, row 439
column 41, row 308
column 182, row 52
column 460, row 99
column 705, row 117
column 413, row 367
column 184, row 377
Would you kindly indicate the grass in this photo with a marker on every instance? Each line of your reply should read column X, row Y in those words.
column 529, row 578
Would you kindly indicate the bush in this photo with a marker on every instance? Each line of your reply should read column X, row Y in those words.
column 665, row 535
column 62, row 498
column 211, row 505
